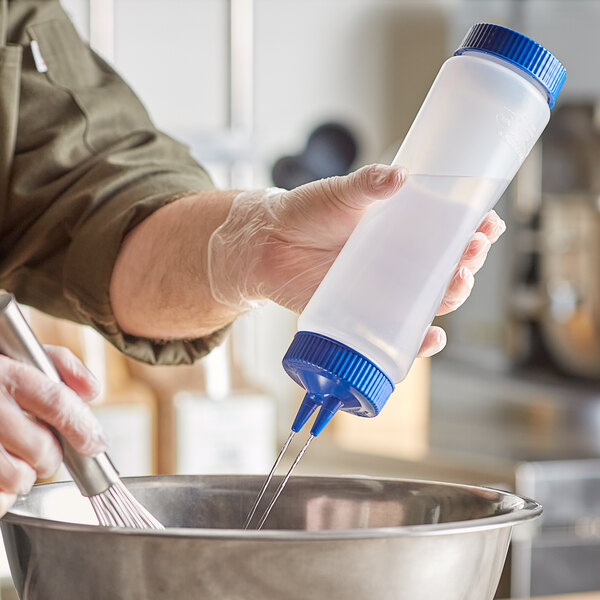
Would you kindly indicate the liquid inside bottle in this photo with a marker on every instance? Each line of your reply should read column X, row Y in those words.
column 384, row 289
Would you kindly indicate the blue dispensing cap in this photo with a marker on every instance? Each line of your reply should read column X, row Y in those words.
column 521, row 51
column 335, row 378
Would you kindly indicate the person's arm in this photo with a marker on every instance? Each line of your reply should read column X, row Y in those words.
column 88, row 165
column 159, row 287
column 194, row 265
column 108, row 222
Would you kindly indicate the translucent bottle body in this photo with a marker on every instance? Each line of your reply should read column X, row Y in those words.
column 475, row 128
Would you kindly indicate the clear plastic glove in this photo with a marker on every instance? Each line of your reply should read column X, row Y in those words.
column 27, row 448
column 278, row 245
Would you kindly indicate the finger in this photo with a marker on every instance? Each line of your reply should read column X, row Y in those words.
column 492, row 226
column 434, row 342
column 6, row 501
column 16, row 476
column 458, row 291
column 74, row 373
column 476, row 252
column 359, row 189
column 53, row 403
column 30, row 441
column 372, row 182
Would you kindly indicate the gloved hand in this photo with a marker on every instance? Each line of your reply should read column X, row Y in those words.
column 27, row 448
column 278, row 244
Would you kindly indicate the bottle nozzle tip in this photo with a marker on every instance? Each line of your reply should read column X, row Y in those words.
column 329, row 408
column 307, row 408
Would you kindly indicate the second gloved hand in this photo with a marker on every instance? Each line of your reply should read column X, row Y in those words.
column 28, row 449
column 278, row 244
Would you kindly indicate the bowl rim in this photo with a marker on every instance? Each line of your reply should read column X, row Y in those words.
column 529, row 510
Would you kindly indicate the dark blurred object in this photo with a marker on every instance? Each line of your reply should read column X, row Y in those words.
column 563, row 318
column 570, row 280
column 571, row 146
column 330, row 150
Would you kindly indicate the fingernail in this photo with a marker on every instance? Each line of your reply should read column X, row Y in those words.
column 387, row 175
column 27, row 484
column 402, row 174
column 383, row 177
column 436, row 345
column 53, row 466
column 479, row 243
column 98, row 440
column 93, row 381
column 499, row 228
column 95, row 385
column 465, row 274
column 441, row 338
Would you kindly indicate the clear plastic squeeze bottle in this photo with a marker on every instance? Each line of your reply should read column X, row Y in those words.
column 362, row 329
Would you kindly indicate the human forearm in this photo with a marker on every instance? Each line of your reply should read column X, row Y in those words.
column 159, row 287
column 196, row 264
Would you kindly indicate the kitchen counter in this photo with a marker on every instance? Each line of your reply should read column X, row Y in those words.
column 482, row 426
column 587, row 596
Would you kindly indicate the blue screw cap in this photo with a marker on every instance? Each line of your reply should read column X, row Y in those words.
column 335, row 377
column 521, row 51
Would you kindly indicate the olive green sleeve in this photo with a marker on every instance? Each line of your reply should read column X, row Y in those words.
column 88, row 166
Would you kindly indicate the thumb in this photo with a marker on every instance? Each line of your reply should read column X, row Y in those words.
column 369, row 183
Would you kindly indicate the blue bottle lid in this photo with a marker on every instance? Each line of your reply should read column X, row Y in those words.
column 521, row 51
column 335, row 377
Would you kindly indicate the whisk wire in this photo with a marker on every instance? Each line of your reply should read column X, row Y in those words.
column 116, row 507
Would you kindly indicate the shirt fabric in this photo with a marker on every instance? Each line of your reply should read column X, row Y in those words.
column 81, row 164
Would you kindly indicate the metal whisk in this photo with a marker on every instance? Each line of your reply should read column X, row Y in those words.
column 95, row 476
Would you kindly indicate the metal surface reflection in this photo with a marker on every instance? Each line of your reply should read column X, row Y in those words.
column 328, row 537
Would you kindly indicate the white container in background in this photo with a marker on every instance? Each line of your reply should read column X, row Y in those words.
column 235, row 434
column 221, row 431
column 129, row 428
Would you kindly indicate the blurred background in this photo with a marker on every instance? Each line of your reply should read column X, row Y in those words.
column 281, row 92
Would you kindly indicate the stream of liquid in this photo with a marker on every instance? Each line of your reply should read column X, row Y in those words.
column 282, row 485
column 268, row 480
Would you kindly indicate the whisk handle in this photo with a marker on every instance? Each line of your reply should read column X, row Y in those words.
column 92, row 474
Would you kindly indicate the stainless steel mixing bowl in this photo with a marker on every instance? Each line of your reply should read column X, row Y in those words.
column 349, row 538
